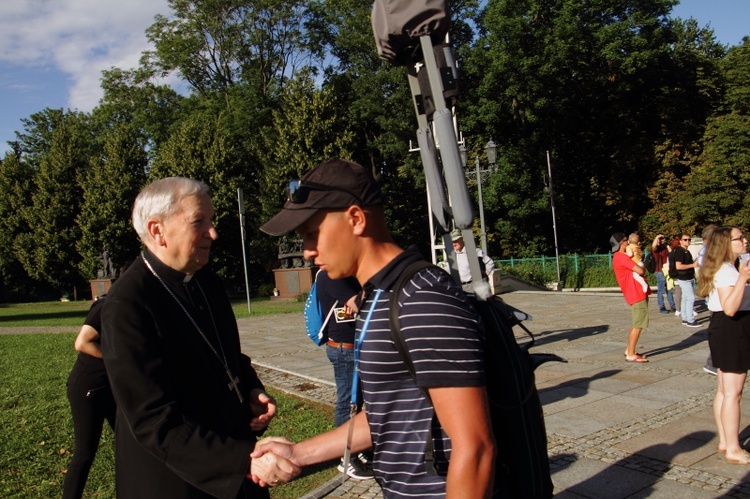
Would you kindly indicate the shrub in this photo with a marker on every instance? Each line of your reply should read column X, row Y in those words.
column 576, row 271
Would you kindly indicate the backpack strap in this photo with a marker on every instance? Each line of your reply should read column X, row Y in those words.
column 400, row 344
column 396, row 336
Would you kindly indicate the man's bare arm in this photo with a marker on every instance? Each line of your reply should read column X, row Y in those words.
column 464, row 414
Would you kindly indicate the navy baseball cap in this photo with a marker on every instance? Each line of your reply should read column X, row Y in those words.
column 334, row 184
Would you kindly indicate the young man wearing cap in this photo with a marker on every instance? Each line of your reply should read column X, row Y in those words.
column 463, row 261
column 337, row 208
column 633, row 292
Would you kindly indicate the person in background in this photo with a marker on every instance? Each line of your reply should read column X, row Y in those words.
column 686, row 279
column 677, row 292
column 463, row 261
column 190, row 406
column 633, row 293
column 725, row 285
column 635, row 252
column 342, row 294
column 660, row 250
column 91, row 402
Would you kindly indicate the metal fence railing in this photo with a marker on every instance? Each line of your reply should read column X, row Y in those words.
column 576, row 271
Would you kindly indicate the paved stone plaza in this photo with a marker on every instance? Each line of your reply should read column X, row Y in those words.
column 616, row 429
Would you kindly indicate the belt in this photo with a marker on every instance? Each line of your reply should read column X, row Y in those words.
column 333, row 344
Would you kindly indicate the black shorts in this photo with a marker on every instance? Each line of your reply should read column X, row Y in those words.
column 729, row 341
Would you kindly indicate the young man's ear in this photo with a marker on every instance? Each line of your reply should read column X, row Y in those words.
column 357, row 218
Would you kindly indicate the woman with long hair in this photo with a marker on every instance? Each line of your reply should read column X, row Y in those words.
column 728, row 333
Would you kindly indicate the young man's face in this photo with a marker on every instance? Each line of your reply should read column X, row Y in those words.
column 685, row 241
column 188, row 234
column 327, row 239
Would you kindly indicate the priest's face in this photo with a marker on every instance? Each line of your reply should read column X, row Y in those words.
column 188, row 234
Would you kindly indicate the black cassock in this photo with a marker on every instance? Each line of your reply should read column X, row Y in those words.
column 182, row 432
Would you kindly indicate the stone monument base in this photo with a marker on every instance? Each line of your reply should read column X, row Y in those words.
column 100, row 287
column 293, row 282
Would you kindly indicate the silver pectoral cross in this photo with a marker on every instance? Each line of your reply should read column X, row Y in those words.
column 234, row 382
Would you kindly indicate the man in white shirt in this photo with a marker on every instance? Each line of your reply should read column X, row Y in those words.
column 463, row 261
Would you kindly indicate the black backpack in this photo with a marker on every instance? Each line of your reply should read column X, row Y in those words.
column 650, row 262
column 522, row 462
column 672, row 265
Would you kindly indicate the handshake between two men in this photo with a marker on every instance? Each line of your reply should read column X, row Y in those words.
column 276, row 460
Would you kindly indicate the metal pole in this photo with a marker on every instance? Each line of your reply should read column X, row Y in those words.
column 554, row 219
column 483, row 234
column 241, row 202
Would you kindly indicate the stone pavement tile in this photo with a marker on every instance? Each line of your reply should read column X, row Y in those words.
column 687, row 362
column 674, row 388
column 559, row 373
column 602, row 383
column 594, row 416
column 673, row 489
column 563, row 399
column 685, row 441
column 684, row 448
column 717, row 465
column 567, row 494
column 674, row 347
column 595, row 479
column 621, row 381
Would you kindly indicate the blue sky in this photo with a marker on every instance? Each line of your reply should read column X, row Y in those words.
column 52, row 52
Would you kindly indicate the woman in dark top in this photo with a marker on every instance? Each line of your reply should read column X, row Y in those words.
column 91, row 402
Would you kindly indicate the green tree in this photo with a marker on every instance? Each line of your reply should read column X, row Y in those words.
column 306, row 130
column 131, row 97
column 47, row 251
column 36, row 139
column 16, row 178
column 200, row 149
column 217, row 44
column 718, row 189
column 593, row 83
column 109, row 190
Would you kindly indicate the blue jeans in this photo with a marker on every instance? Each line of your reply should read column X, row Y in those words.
column 342, row 360
column 688, row 299
column 661, row 290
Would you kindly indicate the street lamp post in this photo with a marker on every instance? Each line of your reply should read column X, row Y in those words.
column 548, row 188
column 491, row 150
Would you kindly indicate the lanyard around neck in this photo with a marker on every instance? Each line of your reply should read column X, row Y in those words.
column 358, row 346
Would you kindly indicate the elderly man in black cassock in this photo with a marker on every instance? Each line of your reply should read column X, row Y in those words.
column 190, row 406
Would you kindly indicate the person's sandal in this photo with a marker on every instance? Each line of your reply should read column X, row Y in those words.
column 744, row 459
column 638, row 358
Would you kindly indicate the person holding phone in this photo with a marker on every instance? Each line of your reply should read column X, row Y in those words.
column 725, row 285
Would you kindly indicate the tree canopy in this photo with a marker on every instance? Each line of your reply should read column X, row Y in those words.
column 646, row 120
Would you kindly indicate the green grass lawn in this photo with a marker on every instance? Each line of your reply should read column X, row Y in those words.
column 72, row 313
column 36, row 427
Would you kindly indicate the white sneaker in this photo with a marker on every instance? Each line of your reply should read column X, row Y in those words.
column 676, row 313
column 357, row 469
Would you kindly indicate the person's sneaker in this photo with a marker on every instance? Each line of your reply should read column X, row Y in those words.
column 363, row 458
column 664, row 311
column 690, row 324
column 710, row 369
column 357, row 469
column 676, row 313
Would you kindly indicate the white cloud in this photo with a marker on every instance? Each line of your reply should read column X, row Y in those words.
column 78, row 37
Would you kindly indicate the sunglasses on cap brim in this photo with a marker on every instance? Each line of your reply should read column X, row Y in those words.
column 297, row 191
